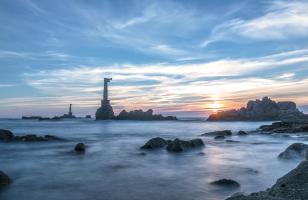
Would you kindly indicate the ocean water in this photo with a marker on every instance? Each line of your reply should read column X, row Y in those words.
column 113, row 167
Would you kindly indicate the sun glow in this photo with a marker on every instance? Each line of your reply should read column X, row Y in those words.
column 215, row 106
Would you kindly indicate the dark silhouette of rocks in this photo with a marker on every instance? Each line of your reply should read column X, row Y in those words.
column 35, row 118
column 218, row 133
column 294, row 151
column 105, row 111
column 80, row 147
column 140, row 115
column 285, row 127
column 226, row 183
column 176, row 145
column 155, row 143
column 4, row 179
column 242, row 133
column 292, row 186
column 8, row 136
column 261, row 110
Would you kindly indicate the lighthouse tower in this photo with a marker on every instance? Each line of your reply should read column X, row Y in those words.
column 105, row 111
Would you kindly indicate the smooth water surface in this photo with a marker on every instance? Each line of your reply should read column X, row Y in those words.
column 113, row 167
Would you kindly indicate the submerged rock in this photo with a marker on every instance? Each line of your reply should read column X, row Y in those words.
column 296, row 150
column 142, row 115
column 292, row 186
column 219, row 137
column 226, row 183
column 218, row 133
column 242, row 133
column 154, row 143
column 80, row 147
column 178, row 145
column 4, row 179
column 6, row 135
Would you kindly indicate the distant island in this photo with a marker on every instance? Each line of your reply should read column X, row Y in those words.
column 261, row 110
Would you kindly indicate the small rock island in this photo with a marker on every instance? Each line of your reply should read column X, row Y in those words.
column 261, row 110
column 105, row 112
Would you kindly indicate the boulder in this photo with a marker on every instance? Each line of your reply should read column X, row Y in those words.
column 6, row 135
column 296, row 150
column 4, row 179
column 178, row 145
column 292, row 186
column 242, row 133
column 218, row 133
column 225, row 183
column 154, row 143
column 80, row 147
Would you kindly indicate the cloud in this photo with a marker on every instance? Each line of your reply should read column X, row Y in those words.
column 282, row 20
column 189, row 87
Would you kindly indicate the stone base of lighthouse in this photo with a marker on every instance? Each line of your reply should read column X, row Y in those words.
column 105, row 111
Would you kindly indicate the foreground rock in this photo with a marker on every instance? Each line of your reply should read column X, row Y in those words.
column 226, row 183
column 218, row 133
column 80, row 147
column 294, row 151
column 8, row 136
column 285, row 127
column 261, row 110
column 242, row 133
column 178, row 145
column 155, row 143
column 141, row 115
column 4, row 179
column 292, row 186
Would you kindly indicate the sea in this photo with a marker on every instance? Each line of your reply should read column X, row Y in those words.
column 115, row 168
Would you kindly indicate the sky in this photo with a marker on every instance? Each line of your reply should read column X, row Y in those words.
column 183, row 58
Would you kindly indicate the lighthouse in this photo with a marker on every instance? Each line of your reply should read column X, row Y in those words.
column 105, row 111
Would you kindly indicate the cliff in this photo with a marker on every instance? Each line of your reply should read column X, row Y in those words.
column 261, row 110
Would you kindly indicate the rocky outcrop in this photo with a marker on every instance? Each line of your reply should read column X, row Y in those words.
column 219, row 137
column 292, row 186
column 225, row 183
column 4, row 179
column 8, row 136
column 285, row 127
column 261, row 110
column 80, row 147
column 141, row 115
column 176, row 145
column 294, row 151
column 218, row 133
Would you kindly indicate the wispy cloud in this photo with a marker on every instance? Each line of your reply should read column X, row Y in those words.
column 282, row 20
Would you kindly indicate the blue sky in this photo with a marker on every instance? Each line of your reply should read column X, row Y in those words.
column 187, row 58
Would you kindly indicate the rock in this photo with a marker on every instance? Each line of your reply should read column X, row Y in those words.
column 261, row 110
column 219, row 137
column 178, row 145
column 296, row 150
column 232, row 141
column 292, row 186
column 6, row 135
column 53, row 138
column 226, row 183
column 285, row 127
column 141, row 115
column 80, row 147
column 242, row 133
column 4, row 179
column 218, row 133
column 155, row 143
